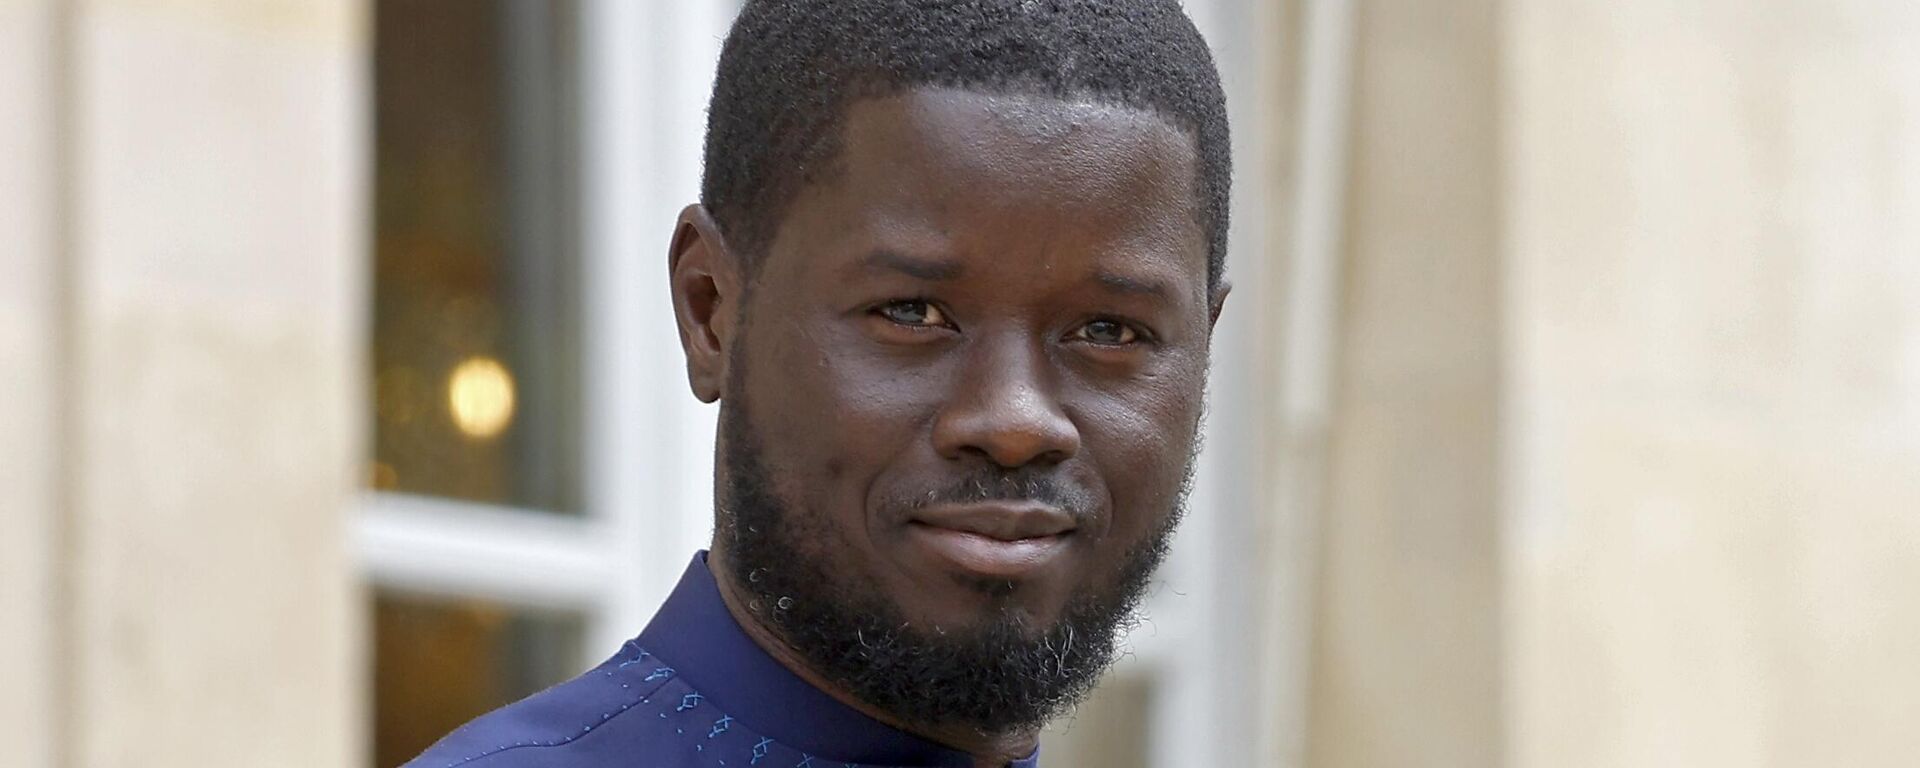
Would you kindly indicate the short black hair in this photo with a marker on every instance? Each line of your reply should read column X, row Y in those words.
column 791, row 68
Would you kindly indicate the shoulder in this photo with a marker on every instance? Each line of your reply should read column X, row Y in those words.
column 579, row 723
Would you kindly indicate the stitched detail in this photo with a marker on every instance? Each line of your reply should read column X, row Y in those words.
column 659, row 676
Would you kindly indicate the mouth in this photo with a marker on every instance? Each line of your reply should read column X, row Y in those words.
column 993, row 541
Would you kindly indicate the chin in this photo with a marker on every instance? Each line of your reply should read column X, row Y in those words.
column 978, row 602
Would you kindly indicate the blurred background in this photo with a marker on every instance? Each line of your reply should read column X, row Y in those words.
column 1566, row 411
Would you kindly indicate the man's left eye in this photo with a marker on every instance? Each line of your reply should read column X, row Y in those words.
column 1108, row 332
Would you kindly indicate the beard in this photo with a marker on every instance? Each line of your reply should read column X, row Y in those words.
column 1002, row 675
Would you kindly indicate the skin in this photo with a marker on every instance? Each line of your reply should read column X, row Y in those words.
column 981, row 281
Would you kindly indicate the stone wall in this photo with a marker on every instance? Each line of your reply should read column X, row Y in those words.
column 30, row 371
column 1405, row 665
column 187, row 181
column 1713, row 444
column 1625, row 461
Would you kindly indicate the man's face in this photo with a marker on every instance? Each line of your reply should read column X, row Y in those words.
column 973, row 356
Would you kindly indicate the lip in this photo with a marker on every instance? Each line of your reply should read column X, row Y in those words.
column 988, row 557
column 997, row 541
column 1003, row 521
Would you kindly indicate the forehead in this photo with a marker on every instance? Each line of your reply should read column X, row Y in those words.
column 1060, row 144
column 1035, row 150
column 958, row 161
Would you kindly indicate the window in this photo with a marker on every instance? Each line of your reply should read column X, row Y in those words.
column 476, row 332
column 539, row 474
column 438, row 661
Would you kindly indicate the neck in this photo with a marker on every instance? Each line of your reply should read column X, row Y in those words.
column 989, row 750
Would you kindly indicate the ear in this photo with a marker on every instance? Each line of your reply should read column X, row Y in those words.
column 1218, row 303
column 706, row 280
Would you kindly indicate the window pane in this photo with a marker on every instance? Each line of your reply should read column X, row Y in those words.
column 439, row 663
column 476, row 335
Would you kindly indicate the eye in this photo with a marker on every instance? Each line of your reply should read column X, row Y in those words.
column 1108, row 332
column 913, row 313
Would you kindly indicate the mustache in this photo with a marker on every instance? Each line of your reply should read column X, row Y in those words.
column 1042, row 486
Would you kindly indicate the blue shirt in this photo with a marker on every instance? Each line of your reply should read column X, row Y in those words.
column 691, row 691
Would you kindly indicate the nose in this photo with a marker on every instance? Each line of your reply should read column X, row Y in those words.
column 1005, row 407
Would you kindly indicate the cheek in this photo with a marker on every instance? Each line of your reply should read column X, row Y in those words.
column 833, row 419
column 1141, row 439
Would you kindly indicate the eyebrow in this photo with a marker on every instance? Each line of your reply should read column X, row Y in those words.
column 925, row 269
column 1123, row 284
column 939, row 270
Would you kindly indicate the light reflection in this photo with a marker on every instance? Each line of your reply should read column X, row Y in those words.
column 480, row 397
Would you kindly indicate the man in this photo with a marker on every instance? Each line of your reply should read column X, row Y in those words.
column 953, row 280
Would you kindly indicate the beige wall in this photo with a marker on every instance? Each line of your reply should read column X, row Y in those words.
column 1625, row 462
column 1713, row 225
column 194, row 260
column 29, row 372
column 1405, row 661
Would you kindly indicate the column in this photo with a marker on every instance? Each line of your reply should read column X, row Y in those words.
column 1405, row 660
column 182, row 304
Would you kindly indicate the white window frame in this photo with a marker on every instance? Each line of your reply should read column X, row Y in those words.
column 647, row 444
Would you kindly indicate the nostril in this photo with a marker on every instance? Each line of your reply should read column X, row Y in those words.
column 1004, row 409
column 1011, row 443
